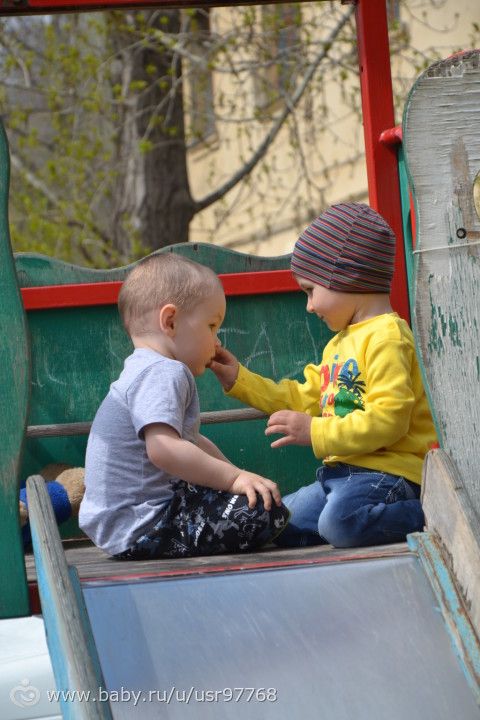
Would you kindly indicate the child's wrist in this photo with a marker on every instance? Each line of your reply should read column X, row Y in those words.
column 228, row 386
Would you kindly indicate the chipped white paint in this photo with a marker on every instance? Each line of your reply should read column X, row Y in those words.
column 442, row 148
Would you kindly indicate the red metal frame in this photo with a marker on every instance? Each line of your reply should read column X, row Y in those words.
column 378, row 116
column 47, row 7
column 106, row 293
column 393, row 137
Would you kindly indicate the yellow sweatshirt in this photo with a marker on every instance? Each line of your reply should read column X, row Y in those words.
column 366, row 398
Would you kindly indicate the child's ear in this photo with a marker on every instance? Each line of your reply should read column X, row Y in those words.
column 167, row 318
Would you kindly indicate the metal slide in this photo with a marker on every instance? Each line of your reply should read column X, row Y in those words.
column 328, row 639
column 363, row 640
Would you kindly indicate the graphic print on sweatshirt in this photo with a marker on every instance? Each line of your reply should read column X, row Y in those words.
column 342, row 388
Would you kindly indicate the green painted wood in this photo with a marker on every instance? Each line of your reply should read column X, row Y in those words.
column 436, row 564
column 406, row 223
column 441, row 140
column 38, row 270
column 14, row 387
column 78, row 352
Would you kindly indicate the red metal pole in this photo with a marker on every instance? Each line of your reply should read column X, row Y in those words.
column 378, row 115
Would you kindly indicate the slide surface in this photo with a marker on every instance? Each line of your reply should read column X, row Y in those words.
column 362, row 639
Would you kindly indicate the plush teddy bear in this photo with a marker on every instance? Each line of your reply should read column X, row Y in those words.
column 65, row 486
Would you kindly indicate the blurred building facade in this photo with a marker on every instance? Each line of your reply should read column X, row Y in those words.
column 317, row 158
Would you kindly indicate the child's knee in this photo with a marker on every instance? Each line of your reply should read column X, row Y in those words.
column 277, row 517
column 340, row 531
column 252, row 528
column 273, row 520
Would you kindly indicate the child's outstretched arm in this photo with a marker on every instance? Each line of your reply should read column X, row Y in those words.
column 263, row 393
column 182, row 459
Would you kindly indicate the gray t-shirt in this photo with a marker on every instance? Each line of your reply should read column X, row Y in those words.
column 124, row 491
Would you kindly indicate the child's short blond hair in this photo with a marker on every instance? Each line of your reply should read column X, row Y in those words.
column 161, row 279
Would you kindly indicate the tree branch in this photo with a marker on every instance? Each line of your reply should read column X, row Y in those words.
column 261, row 151
column 39, row 185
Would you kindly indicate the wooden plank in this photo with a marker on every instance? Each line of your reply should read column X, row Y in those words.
column 464, row 638
column 69, row 639
column 206, row 418
column 441, row 136
column 92, row 563
column 14, row 364
column 36, row 270
column 449, row 513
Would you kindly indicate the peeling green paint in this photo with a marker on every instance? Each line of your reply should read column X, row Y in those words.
column 435, row 342
column 462, row 635
column 443, row 322
column 439, row 328
column 453, row 327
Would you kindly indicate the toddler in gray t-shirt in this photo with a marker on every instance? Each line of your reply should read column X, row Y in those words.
column 154, row 486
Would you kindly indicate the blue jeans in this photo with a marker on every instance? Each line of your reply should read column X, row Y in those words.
column 350, row 506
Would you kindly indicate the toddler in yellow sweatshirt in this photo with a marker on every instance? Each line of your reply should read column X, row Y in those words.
column 363, row 410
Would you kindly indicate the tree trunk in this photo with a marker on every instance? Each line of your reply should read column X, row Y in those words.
column 153, row 206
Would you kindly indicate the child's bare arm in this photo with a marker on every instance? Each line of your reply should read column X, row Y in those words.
column 211, row 449
column 191, row 463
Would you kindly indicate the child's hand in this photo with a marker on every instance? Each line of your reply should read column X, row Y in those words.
column 249, row 484
column 225, row 367
column 295, row 426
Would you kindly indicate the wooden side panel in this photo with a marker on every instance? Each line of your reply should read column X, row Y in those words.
column 449, row 514
column 442, row 148
column 37, row 270
column 70, row 642
column 14, row 382
column 465, row 642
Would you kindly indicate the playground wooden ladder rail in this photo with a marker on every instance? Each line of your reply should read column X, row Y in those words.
column 206, row 418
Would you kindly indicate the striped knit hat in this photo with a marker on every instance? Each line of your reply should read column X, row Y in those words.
column 348, row 248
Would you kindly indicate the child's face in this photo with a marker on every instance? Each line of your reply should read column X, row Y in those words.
column 195, row 340
column 336, row 309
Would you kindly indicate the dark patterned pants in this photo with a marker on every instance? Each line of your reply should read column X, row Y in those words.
column 202, row 521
